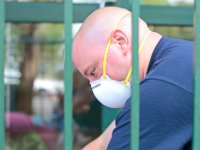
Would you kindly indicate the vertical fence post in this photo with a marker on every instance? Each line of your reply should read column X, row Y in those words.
column 135, row 78
column 196, row 129
column 2, row 20
column 68, row 76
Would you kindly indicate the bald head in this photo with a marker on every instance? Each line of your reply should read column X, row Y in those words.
column 101, row 21
column 90, row 42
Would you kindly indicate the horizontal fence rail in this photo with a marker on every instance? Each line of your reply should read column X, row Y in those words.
column 46, row 12
column 54, row 12
column 2, row 129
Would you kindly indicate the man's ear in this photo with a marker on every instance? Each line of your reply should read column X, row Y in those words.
column 121, row 39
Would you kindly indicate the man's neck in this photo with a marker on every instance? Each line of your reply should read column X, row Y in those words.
column 146, row 53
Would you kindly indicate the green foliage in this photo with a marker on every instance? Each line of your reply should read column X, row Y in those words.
column 50, row 31
column 174, row 31
column 171, row 31
column 182, row 3
column 155, row 2
column 49, row 40
column 51, row 54
column 51, row 58
column 30, row 141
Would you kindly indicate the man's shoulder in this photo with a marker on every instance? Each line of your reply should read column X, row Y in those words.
column 161, row 103
column 168, row 41
column 173, row 63
column 155, row 94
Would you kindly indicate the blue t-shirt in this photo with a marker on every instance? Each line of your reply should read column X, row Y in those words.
column 166, row 101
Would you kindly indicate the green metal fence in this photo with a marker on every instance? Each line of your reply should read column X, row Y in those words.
column 68, row 76
column 196, row 130
column 59, row 12
column 2, row 20
column 135, row 78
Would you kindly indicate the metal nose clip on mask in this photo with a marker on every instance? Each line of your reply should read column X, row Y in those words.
column 112, row 93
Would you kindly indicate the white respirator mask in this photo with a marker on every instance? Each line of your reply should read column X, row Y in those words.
column 112, row 93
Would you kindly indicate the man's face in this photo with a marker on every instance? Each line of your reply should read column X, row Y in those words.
column 88, row 59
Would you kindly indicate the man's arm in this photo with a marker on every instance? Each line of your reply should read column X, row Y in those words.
column 103, row 140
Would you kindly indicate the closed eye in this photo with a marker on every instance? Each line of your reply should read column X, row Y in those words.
column 93, row 72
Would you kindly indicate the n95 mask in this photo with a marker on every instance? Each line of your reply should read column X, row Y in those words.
column 111, row 93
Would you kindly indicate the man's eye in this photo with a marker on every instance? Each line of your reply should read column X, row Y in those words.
column 93, row 72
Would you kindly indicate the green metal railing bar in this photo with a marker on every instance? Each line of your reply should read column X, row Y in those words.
column 53, row 12
column 163, row 15
column 196, row 125
column 135, row 78
column 45, row 12
column 68, row 132
column 2, row 20
column 167, row 15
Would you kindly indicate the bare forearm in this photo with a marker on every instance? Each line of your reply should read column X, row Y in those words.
column 107, row 134
column 94, row 145
column 103, row 140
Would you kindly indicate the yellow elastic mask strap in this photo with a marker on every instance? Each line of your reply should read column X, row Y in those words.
column 143, row 42
column 139, row 50
column 108, row 44
column 128, row 76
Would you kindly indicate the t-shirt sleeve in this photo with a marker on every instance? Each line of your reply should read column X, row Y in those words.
column 165, row 118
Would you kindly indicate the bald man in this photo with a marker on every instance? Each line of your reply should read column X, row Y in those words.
column 102, row 52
